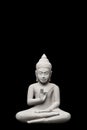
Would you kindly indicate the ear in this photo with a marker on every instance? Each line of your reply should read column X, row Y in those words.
column 36, row 75
column 50, row 73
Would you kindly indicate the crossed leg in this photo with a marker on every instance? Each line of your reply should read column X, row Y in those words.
column 59, row 118
column 30, row 115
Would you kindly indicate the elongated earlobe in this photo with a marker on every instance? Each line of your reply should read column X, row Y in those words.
column 36, row 79
column 50, row 76
column 36, row 75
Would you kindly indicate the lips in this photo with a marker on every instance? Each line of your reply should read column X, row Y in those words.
column 43, row 80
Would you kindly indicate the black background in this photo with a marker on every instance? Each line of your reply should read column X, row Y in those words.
column 27, row 35
column 21, row 73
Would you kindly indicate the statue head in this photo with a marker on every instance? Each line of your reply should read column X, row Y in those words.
column 43, row 70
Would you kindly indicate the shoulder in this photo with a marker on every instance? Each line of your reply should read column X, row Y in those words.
column 54, row 86
column 32, row 85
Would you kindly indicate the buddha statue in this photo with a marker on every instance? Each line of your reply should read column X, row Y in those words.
column 43, row 98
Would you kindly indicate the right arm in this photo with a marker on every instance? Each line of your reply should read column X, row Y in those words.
column 31, row 100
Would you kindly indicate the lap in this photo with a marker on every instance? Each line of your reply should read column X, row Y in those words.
column 62, row 117
column 30, row 114
column 32, row 111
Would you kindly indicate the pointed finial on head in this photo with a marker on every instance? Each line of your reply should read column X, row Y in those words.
column 44, row 62
column 43, row 56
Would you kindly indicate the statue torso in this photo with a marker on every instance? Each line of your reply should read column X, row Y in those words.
column 49, row 90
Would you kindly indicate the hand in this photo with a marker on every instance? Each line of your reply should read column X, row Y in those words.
column 47, row 110
column 39, row 111
column 42, row 111
column 43, row 96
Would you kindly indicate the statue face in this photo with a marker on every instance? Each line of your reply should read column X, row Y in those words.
column 43, row 75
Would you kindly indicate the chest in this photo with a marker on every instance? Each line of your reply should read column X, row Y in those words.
column 45, row 90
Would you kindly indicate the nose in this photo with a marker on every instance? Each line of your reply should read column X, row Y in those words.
column 43, row 76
